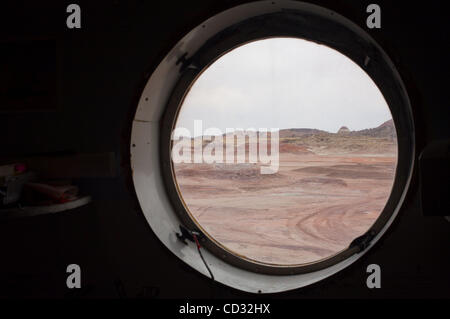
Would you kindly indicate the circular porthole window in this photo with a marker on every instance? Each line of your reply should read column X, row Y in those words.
column 281, row 136
column 283, row 152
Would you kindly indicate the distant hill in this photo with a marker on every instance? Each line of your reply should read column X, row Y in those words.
column 298, row 132
column 385, row 130
column 343, row 130
column 377, row 140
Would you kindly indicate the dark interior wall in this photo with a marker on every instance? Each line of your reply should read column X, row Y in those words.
column 101, row 70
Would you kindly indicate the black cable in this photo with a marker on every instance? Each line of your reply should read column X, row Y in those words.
column 190, row 235
column 201, row 255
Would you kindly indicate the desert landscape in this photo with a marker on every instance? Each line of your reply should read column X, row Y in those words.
column 329, row 189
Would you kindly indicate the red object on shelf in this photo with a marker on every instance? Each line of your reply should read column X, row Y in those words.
column 20, row 168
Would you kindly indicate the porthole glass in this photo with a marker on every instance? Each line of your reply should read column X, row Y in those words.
column 284, row 151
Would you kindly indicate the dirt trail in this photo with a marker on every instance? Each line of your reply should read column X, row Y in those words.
column 311, row 209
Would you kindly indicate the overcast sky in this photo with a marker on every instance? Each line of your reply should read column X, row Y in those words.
column 284, row 83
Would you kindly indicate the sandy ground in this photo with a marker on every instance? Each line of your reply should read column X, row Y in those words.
column 311, row 209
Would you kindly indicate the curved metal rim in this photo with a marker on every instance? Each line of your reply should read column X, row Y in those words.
column 315, row 28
